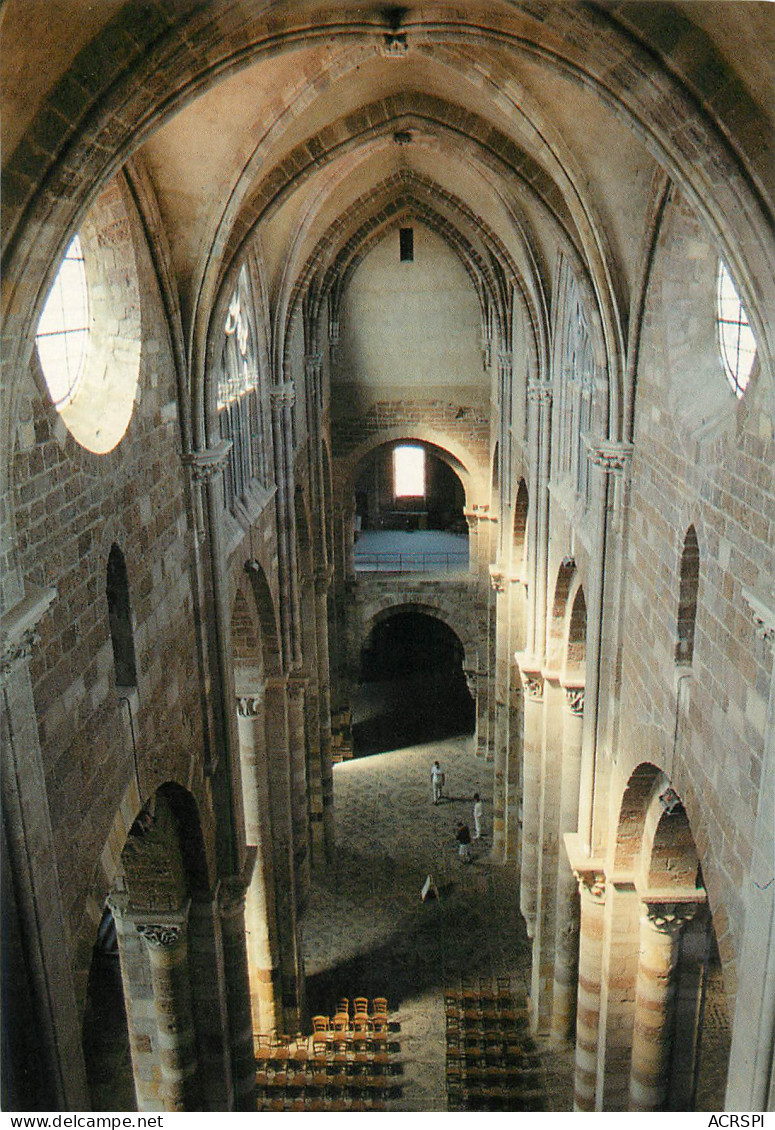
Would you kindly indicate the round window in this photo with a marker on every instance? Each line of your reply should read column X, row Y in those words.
column 63, row 330
column 736, row 340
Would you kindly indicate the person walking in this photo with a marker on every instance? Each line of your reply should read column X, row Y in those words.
column 437, row 781
column 463, row 837
column 477, row 817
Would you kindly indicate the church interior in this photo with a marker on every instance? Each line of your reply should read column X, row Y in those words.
column 402, row 378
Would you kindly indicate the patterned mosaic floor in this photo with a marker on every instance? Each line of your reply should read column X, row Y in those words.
column 367, row 930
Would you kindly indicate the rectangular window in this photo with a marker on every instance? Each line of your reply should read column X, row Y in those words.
column 409, row 472
column 406, row 244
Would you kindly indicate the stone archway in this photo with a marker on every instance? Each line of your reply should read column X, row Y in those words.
column 167, row 918
column 648, row 955
column 412, row 686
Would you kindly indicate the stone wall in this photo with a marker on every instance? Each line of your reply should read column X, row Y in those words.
column 711, row 469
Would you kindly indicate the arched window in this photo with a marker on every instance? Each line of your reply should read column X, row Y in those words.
column 575, row 395
column 736, row 340
column 240, row 404
column 120, row 616
column 687, row 598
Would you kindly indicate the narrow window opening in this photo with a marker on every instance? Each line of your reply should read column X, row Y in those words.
column 120, row 617
column 687, row 599
column 406, row 244
column 409, row 472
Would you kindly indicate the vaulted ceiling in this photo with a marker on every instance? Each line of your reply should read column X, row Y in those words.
column 516, row 129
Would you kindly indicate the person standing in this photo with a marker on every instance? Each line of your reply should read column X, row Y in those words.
column 477, row 817
column 437, row 781
column 463, row 837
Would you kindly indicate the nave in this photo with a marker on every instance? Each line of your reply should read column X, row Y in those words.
column 367, row 930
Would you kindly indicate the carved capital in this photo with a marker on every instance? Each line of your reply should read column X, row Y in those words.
column 204, row 465
column 574, row 700
column 249, row 705
column 538, row 392
column 160, row 935
column 497, row 578
column 533, row 685
column 282, row 396
column 612, row 457
column 668, row 917
column 297, row 685
column 591, row 885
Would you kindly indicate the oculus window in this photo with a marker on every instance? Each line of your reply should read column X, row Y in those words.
column 409, row 472
column 63, row 330
column 736, row 340
column 89, row 333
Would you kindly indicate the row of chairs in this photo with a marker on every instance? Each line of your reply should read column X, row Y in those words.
column 497, row 1047
column 279, row 1050
column 475, row 1097
column 377, row 1008
column 491, row 1062
column 329, row 1099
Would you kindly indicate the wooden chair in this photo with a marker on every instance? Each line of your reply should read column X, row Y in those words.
column 503, row 988
column 361, row 1006
column 361, row 1033
column 343, row 1006
column 262, row 1048
column 320, row 1024
column 379, row 1007
column 280, row 1047
column 379, row 1032
column 340, row 1024
column 468, row 989
column 486, row 991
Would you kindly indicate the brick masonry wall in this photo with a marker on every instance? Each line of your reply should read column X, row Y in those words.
column 71, row 506
column 713, row 470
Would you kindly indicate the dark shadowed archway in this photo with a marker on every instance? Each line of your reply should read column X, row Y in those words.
column 412, row 687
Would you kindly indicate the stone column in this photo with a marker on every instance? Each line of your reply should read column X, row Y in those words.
column 235, row 960
column 208, row 977
column 539, row 421
column 566, row 937
column 592, row 896
column 610, row 463
column 751, row 1078
column 322, row 583
column 282, row 847
column 689, row 1011
column 168, row 956
column 477, row 689
column 260, row 913
column 297, row 690
column 550, row 778
column 472, row 521
column 38, row 973
column 282, row 399
column 533, row 689
column 501, row 735
column 660, row 934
